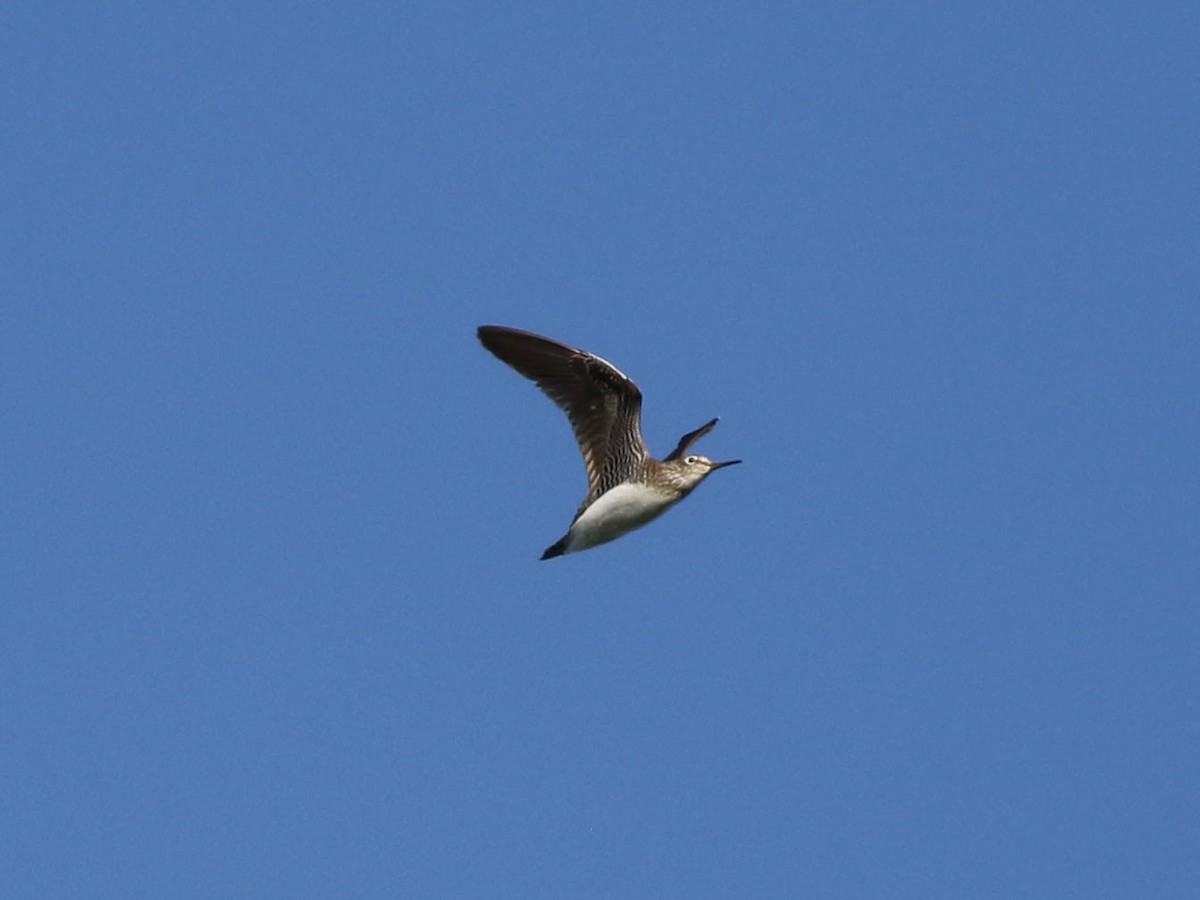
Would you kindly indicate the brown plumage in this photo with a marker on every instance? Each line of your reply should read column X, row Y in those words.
column 604, row 407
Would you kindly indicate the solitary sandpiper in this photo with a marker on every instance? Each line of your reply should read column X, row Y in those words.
column 627, row 488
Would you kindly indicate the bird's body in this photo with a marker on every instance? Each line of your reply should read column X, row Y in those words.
column 627, row 488
column 616, row 512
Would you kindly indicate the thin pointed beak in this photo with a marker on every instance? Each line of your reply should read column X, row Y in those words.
column 721, row 465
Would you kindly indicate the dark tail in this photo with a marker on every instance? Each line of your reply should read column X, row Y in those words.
column 557, row 549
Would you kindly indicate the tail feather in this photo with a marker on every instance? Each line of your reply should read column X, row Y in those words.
column 557, row 549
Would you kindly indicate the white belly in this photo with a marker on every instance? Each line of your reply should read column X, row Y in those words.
column 617, row 512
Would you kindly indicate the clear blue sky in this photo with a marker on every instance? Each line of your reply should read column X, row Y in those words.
column 274, row 623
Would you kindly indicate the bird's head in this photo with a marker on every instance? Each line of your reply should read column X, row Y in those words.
column 692, row 469
column 689, row 469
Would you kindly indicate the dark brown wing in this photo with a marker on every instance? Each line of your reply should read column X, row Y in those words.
column 603, row 404
column 685, row 442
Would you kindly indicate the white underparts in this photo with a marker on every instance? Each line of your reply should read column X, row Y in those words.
column 617, row 512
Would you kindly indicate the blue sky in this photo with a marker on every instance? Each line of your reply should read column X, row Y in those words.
column 274, row 622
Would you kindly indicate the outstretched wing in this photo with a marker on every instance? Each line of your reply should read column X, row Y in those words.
column 603, row 404
column 685, row 442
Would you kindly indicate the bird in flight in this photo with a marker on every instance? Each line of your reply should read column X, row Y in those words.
column 627, row 487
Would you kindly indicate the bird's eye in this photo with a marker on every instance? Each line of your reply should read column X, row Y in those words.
column 691, row 460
